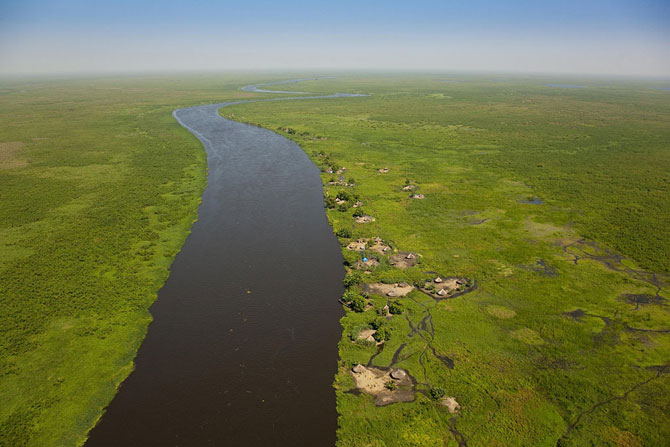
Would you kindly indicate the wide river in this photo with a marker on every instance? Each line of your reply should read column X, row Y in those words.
column 243, row 347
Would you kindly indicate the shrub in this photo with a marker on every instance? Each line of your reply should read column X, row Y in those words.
column 352, row 279
column 437, row 392
column 396, row 308
column 330, row 202
column 382, row 334
column 349, row 295
column 358, row 305
column 342, row 207
column 343, row 232
column 358, row 213
column 391, row 385
column 419, row 283
column 351, row 181
column 344, row 195
column 378, row 322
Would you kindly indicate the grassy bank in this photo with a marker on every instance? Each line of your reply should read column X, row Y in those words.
column 555, row 346
column 99, row 186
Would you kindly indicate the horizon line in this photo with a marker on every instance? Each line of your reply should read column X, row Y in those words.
column 340, row 70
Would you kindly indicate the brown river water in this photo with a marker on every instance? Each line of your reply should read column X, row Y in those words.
column 243, row 347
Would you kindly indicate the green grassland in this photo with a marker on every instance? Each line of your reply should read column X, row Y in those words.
column 549, row 350
column 99, row 186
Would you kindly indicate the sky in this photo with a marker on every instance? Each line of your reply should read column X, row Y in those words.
column 616, row 37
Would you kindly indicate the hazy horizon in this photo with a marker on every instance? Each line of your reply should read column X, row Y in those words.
column 615, row 38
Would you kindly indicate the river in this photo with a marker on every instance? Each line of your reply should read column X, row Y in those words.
column 242, row 350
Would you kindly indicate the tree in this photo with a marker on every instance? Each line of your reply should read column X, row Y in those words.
column 344, row 195
column 396, row 308
column 343, row 232
column 382, row 334
column 352, row 279
column 378, row 322
column 349, row 295
column 358, row 213
column 358, row 304
column 437, row 392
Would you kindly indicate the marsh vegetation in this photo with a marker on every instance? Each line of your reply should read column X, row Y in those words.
column 99, row 186
column 551, row 204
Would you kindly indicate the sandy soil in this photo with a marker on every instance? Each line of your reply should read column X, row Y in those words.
column 340, row 183
column 367, row 335
column 392, row 290
column 417, row 196
column 445, row 287
column 363, row 219
column 367, row 265
column 404, row 260
column 373, row 381
column 451, row 404
column 357, row 245
column 378, row 245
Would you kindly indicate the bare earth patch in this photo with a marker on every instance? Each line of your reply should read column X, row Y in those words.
column 417, row 196
column 370, row 264
column 392, row 290
column 441, row 287
column 8, row 155
column 340, row 183
column 357, row 245
column 404, row 260
column 378, row 245
column 451, row 404
column 367, row 335
column 363, row 219
column 373, row 381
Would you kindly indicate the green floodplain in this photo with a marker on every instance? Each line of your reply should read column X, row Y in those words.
column 551, row 201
